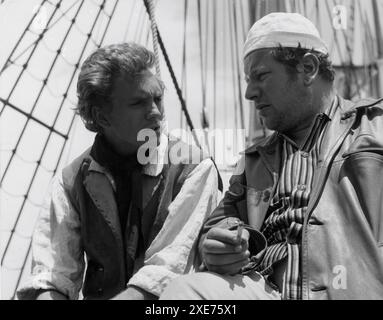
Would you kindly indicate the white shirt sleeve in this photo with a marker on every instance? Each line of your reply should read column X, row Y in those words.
column 57, row 254
column 174, row 251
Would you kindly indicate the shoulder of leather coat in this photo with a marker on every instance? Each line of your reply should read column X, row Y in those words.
column 349, row 107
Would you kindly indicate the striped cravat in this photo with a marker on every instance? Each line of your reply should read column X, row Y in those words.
column 283, row 224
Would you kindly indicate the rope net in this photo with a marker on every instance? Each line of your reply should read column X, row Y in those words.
column 36, row 108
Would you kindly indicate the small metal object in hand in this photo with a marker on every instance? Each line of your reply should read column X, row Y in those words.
column 239, row 231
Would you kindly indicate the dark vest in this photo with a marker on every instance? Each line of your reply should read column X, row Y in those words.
column 92, row 195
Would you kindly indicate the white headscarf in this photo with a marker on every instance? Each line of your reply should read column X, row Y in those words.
column 286, row 29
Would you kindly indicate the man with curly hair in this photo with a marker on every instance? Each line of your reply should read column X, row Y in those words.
column 304, row 219
column 121, row 220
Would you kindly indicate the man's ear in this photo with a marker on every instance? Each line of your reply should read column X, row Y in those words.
column 100, row 117
column 309, row 66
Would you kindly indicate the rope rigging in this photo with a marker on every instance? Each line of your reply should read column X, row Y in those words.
column 38, row 164
column 215, row 44
column 203, row 62
column 184, row 66
column 175, row 83
column 153, row 24
column 350, row 69
column 233, row 66
column 238, row 68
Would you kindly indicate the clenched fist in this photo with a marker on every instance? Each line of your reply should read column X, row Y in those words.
column 224, row 252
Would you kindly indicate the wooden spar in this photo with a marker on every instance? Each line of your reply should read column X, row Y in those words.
column 378, row 27
column 379, row 41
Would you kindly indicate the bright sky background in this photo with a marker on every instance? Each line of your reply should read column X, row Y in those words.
column 169, row 14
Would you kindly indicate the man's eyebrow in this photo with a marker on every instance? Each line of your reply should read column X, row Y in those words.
column 257, row 69
column 142, row 94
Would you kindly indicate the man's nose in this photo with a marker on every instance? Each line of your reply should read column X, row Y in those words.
column 253, row 92
column 155, row 111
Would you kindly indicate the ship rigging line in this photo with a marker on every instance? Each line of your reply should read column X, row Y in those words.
column 242, row 117
column 125, row 37
column 44, row 82
column 150, row 8
column 215, row 58
column 9, row 61
column 224, row 59
column 233, row 69
column 140, row 24
column 203, row 61
column 350, row 70
column 23, row 34
column 31, row 54
column 184, row 70
column 175, row 83
column 38, row 163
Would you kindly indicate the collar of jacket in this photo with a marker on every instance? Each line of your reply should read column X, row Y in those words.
column 154, row 167
column 343, row 118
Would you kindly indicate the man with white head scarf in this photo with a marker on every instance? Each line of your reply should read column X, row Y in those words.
column 302, row 218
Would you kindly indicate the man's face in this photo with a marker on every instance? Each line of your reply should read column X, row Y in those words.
column 136, row 105
column 281, row 99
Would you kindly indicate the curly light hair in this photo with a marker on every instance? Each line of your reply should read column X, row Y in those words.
column 100, row 70
column 290, row 57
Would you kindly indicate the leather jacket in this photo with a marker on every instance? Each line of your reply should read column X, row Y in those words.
column 342, row 237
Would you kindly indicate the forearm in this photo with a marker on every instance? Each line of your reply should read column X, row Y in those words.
column 135, row 293
column 232, row 206
column 57, row 253
column 230, row 210
column 50, row 295
column 173, row 252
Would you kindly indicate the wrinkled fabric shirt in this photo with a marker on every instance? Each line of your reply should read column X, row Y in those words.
column 58, row 258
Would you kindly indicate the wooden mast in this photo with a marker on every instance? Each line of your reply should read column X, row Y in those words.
column 379, row 41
